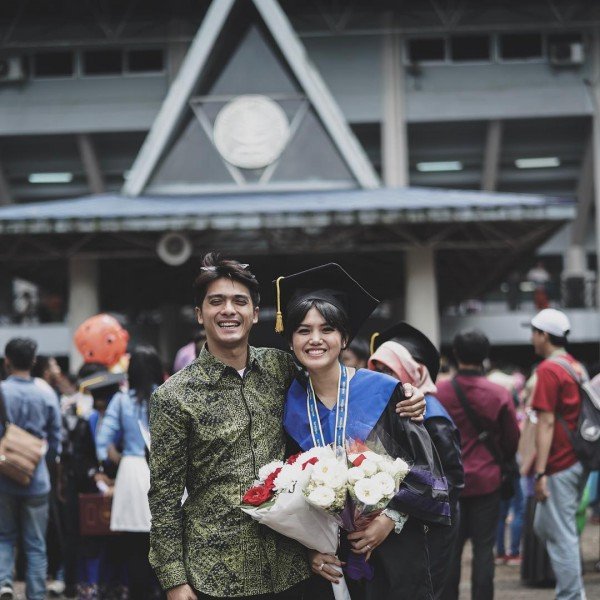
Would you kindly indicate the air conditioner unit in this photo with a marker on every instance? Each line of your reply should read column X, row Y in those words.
column 566, row 54
column 11, row 69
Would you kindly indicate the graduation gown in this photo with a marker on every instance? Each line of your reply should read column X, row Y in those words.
column 401, row 563
column 446, row 440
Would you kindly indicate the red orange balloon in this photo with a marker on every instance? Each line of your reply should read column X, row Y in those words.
column 101, row 339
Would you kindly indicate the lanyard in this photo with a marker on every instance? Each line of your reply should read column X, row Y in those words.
column 341, row 412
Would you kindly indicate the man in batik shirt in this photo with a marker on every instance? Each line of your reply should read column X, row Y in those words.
column 213, row 425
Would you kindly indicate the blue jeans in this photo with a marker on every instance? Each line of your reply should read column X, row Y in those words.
column 26, row 516
column 516, row 506
column 555, row 524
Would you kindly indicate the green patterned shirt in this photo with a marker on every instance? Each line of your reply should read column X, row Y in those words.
column 211, row 431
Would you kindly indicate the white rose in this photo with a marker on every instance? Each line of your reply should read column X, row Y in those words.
column 373, row 456
column 369, row 467
column 367, row 491
column 386, row 483
column 287, row 477
column 322, row 496
column 320, row 452
column 399, row 467
column 265, row 471
column 354, row 474
column 330, row 472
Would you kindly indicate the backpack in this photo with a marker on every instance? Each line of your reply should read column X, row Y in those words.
column 586, row 437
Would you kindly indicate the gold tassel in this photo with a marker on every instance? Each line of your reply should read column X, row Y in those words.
column 372, row 345
column 279, row 316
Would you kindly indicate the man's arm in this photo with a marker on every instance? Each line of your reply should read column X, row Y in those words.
column 168, row 467
column 544, row 432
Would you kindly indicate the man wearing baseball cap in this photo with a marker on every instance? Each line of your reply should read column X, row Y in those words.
column 559, row 476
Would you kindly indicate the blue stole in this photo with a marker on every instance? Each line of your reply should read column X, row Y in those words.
column 369, row 394
column 434, row 408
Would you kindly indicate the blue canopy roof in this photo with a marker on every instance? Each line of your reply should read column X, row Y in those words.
column 113, row 212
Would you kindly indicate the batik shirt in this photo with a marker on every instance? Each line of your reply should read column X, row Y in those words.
column 211, row 431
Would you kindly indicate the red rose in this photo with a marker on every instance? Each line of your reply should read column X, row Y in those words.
column 292, row 459
column 311, row 461
column 359, row 460
column 257, row 495
column 270, row 480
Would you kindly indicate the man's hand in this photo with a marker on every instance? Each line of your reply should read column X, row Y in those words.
column 181, row 592
column 365, row 541
column 541, row 489
column 414, row 405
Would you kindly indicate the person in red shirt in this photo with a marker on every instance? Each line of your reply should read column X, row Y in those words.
column 559, row 476
column 480, row 499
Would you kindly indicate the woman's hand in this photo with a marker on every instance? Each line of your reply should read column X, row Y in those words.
column 414, row 405
column 325, row 565
column 366, row 540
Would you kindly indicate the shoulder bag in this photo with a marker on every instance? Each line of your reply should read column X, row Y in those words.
column 20, row 451
column 509, row 470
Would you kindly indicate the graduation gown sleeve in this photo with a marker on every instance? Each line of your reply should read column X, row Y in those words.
column 424, row 492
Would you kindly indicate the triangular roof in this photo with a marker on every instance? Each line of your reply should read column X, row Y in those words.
column 171, row 134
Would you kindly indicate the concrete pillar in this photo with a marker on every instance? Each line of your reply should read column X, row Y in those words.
column 5, row 195
column 491, row 156
column 421, row 305
column 91, row 164
column 83, row 299
column 595, row 85
column 394, row 139
column 421, row 292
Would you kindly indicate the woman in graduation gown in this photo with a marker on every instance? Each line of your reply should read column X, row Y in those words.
column 323, row 308
column 407, row 354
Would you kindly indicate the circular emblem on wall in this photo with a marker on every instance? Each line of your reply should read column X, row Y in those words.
column 251, row 131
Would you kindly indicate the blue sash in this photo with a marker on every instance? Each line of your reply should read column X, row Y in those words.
column 369, row 394
column 434, row 408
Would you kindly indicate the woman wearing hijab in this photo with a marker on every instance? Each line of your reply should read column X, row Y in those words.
column 323, row 308
column 407, row 354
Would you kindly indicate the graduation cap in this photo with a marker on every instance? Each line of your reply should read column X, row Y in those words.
column 329, row 283
column 416, row 342
column 101, row 379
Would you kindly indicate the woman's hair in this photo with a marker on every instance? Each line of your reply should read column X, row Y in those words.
column 214, row 267
column 335, row 316
column 145, row 372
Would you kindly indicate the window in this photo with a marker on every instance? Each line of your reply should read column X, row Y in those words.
column 102, row 62
column 426, row 50
column 469, row 47
column 145, row 61
column 520, row 46
column 53, row 64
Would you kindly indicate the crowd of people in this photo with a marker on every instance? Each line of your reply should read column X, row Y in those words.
column 138, row 494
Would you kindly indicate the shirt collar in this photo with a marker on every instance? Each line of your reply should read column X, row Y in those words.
column 213, row 369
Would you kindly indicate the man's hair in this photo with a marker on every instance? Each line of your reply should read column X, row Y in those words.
column 334, row 316
column 560, row 341
column 214, row 267
column 21, row 353
column 471, row 346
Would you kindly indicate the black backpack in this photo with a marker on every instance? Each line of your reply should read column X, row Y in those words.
column 586, row 437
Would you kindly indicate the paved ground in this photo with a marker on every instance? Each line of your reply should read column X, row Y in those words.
column 508, row 586
column 507, row 580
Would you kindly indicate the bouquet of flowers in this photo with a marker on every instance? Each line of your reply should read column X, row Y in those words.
column 372, row 480
column 277, row 499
